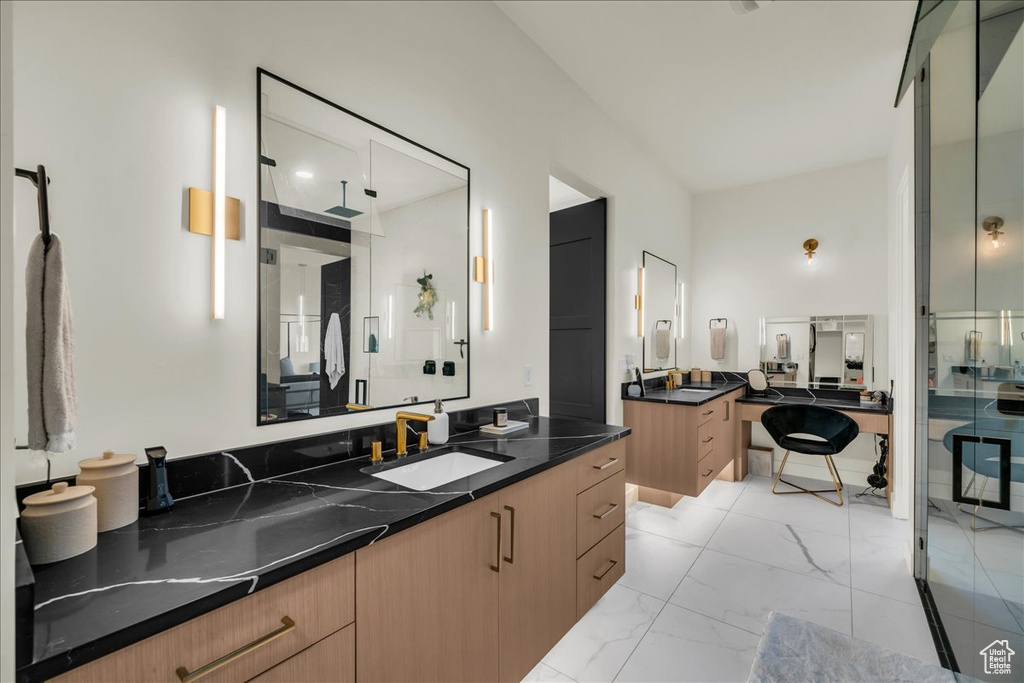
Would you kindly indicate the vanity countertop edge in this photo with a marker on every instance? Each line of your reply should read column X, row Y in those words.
column 298, row 507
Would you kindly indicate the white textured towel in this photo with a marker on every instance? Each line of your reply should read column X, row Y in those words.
column 49, row 350
column 717, row 343
column 334, row 351
column 662, row 344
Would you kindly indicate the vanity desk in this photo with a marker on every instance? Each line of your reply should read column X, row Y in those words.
column 686, row 436
column 870, row 418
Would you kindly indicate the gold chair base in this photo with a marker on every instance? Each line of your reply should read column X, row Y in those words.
column 833, row 472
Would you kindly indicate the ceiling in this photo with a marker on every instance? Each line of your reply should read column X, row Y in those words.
column 562, row 196
column 726, row 100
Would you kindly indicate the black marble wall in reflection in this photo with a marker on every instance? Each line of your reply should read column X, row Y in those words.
column 336, row 299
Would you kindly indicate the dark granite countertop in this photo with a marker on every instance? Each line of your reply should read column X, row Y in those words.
column 216, row 547
column 825, row 398
column 691, row 394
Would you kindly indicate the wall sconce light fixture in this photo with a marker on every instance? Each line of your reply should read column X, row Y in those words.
column 810, row 246
column 682, row 310
column 214, row 213
column 483, row 271
column 638, row 302
column 991, row 226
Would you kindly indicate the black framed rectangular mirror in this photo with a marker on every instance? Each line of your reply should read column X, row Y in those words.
column 660, row 313
column 364, row 262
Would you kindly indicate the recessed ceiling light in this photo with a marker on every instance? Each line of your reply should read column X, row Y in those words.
column 303, row 174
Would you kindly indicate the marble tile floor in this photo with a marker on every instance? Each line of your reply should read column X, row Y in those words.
column 702, row 577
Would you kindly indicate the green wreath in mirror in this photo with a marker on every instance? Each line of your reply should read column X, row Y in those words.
column 428, row 296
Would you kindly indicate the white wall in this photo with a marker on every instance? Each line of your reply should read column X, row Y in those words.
column 748, row 263
column 901, row 288
column 8, row 505
column 116, row 98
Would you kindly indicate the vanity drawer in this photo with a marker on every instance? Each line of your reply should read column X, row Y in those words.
column 599, row 464
column 600, row 509
column 707, row 412
column 706, row 438
column 707, row 470
column 318, row 602
column 332, row 660
column 599, row 569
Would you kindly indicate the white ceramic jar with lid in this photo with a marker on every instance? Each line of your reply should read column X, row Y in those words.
column 59, row 523
column 116, row 479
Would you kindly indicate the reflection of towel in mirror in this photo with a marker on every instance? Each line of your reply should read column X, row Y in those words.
column 782, row 340
column 718, row 343
column 49, row 350
column 334, row 351
column 973, row 347
column 662, row 344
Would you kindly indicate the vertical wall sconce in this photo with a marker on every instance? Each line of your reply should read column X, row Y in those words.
column 638, row 302
column 219, row 211
column 810, row 246
column 682, row 310
column 991, row 226
column 214, row 213
column 483, row 271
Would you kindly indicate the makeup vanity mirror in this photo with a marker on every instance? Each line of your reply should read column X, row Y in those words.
column 364, row 278
column 823, row 352
column 659, row 315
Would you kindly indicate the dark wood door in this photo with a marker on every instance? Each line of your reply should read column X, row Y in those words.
column 577, row 351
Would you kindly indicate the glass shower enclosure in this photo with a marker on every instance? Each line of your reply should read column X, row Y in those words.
column 966, row 61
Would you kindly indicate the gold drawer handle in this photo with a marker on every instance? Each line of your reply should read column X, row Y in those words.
column 708, row 472
column 710, row 412
column 496, row 567
column 511, row 559
column 605, row 572
column 709, row 439
column 613, row 508
column 611, row 461
column 187, row 677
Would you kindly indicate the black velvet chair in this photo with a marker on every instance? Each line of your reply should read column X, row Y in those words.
column 834, row 430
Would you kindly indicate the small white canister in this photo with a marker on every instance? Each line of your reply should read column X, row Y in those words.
column 59, row 523
column 116, row 479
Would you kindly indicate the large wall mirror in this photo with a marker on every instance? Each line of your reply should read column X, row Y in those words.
column 821, row 351
column 364, row 252
column 659, row 314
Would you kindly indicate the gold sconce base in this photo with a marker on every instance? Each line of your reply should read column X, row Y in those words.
column 200, row 214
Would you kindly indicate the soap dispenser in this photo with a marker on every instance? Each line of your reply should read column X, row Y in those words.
column 437, row 429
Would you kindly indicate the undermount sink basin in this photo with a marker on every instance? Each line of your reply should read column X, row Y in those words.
column 437, row 470
column 697, row 391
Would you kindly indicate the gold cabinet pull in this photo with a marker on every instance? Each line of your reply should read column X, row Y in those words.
column 186, row 677
column 707, row 413
column 613, row 508
column 496, row 567
column 709, row 439
column 511, row 559
column 708, row 472
column 605, row 572
column 728, row 412
column 611, row 461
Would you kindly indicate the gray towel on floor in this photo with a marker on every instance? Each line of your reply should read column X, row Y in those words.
column 718, row 343
column 793, row 651
column 49, row 350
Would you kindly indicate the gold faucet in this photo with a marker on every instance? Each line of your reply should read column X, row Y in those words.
column 401, row 419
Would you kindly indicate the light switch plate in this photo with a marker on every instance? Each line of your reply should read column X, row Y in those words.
column 623, row 365
column 630, row 359
column 527, row 375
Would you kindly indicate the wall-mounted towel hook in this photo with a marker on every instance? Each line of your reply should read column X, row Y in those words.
column 40, row 180
column 724, row 321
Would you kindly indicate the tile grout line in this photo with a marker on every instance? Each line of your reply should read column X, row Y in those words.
column 666, row 602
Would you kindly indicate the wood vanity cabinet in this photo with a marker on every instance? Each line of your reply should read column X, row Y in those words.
column 201, row 641
column 480, row 593
column 680, row 449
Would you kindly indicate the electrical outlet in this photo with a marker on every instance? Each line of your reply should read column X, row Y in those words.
column 630, row 359
column 527, row 375
column 623, row 365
